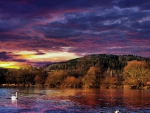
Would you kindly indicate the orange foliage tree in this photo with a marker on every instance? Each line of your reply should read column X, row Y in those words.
column 92, row 78
column 71, row 81
column 136, row 73
column 109, row 81
column 56, row 78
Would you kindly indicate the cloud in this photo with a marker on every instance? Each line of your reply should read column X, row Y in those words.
column 5, row 56
column 60, row 31
column 78, row 27
column 138, row 3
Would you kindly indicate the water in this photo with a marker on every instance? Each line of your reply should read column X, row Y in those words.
column 44, row 100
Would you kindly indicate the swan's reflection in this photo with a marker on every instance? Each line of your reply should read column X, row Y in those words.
column 14, row 102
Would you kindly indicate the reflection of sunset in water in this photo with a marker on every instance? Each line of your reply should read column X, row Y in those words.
column 95, row 97
column 137, row 98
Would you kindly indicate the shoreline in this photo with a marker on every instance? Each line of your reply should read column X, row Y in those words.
column 101, row 87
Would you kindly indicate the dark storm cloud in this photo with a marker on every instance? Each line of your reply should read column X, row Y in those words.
column 59, row 31
column 81, row 26
column 4, row 56
column 41, row 44
column 111, row 22
column 39, row 53
column 9, row 56
column 19, row 60
column 9, row 25
column 4, row 37
column 114, row 26
column 33, row 8
column 67, row 4
column 143, row 5
column 142, row 27
column 41, row 64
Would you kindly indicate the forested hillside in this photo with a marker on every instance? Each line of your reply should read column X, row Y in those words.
column 88, row 71
column 96, row 70
column 107, row 63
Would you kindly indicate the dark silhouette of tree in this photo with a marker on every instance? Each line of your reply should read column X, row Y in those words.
column 3, row 75
column 40, row 77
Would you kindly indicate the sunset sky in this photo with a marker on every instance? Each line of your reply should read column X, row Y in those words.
column 38, row 32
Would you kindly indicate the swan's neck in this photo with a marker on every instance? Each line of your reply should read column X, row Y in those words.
column 16, row 94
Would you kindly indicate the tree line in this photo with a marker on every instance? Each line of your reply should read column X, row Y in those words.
column 23, row 77
column 91, row 71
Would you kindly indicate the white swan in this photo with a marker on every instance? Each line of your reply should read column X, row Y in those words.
column 117, row 111
column 14, row 97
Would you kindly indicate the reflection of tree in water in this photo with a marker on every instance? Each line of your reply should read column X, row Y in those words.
column 112, row 98
column 137, row 98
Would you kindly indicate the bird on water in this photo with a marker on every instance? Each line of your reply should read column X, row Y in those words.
column 14, row 97
column 117, row 111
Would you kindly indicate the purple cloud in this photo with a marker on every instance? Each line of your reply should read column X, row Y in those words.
column 4, row 56
column 81, row 27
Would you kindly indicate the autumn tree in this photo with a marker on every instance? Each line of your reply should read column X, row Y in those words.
column 27, row 75
column 92, row 78
column 108, row 81
column 136, row 73
column 12, row 76
column 73, row 82
column 40, row 77
column 56, row 78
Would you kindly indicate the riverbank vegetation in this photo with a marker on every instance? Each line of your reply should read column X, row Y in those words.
column 93, row 71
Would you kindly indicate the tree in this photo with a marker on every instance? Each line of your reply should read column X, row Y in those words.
column 71, row 81
column 3, row 75
column 92, row 78
column 56, row 78
column 28, row 75
column 136, row 73
column 108, row 81
column 40, row 77
column 11, row 76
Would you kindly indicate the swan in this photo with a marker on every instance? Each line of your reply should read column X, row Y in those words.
column 116, row 111
column 14, row 97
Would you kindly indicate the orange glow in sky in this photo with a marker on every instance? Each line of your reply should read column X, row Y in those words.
column 46, row 56
column 9, row 65
column 34, row 56
column 39, row 32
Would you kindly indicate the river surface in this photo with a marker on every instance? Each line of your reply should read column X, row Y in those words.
column 45, row 100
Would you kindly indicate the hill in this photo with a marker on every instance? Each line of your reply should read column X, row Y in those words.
column 92, row 71
column 80, row 66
